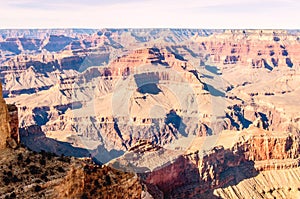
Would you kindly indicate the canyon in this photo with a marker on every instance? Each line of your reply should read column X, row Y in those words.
column 28, row 174
column 180, row 113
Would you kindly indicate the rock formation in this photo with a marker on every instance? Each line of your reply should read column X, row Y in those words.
column 28, row 174
column 91, row 181
column 217, row 111
column 92, row 70
column 197, row 174
column 5, row 128
column 9, row 130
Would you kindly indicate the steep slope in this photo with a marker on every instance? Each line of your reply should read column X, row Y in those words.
column 163, row 92
column 103, row 91
column 9, row 130
column 4, row 128
column 108, row 89
column 253, row 158
column 28, row 174
column 95, row 182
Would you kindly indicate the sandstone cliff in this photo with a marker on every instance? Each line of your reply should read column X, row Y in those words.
column 9, row 129
column 28, row 174
column 153, row 74
column 179, row 89
column 197, row 173
column 4, row 128
column 91, row 181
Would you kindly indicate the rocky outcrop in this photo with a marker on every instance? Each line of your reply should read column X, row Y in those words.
column 27, row 174
column 149, row 56
column 174, row 57
column 266, row 117
column 166, row 86
column 56, row 43
column 14, row 122
column 193, row 175
column 9, row 129
column 4, row 122
column 284, row 184
column 91, row 181
column 197, row 174
column 269, row 146
column 44, row 62
column 252, row 48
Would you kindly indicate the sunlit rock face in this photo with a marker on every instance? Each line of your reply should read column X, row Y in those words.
column 245, row 158
column 4, row 120
column 9, row 130
column 104, row 90
column 194, row 113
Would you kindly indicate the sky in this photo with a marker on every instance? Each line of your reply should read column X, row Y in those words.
column 204, row 14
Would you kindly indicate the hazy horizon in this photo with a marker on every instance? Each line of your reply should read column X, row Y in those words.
column 93, row 14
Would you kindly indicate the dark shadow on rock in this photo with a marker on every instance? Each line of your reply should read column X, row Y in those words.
column 147, row 83
column 267, row 66
column 117, row 129
column 35, row 139
column 223, row 168
column 57, row 43
column 289, row 62
column 88, row 75
column 233, row 123
column 177, row 56
column 174, row 51
column 26, row 91
column 101, row 154
column 40, row 115
column 212, row 69
column 63, row 108
column 207, row 76
column 149, row 89
column 209, row 131
column 173, row 118
column 263, row 116
column 264, row 119
column 96, row 59
column 213, row 91
column 190, row 51
column 197, row 75
column 241, row 122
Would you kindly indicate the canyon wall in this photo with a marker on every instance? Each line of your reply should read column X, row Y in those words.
column 197, row 174
column 9, row 129
column 4, row 121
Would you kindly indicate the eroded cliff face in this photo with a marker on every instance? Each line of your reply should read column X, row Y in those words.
column 194, row 175
column 96, row 182
column 259, row 115
column 73, row 104
column 269, row 146
column 9, row 129
column 28, row 174
column 14, row 122
column 253, row 48
column 161, row 71
column 4, row 129
column 163, row 86
column 197, row 174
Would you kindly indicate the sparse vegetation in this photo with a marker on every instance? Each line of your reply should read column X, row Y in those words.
column 101, row 182
column 24, row 172
column 37, row 188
